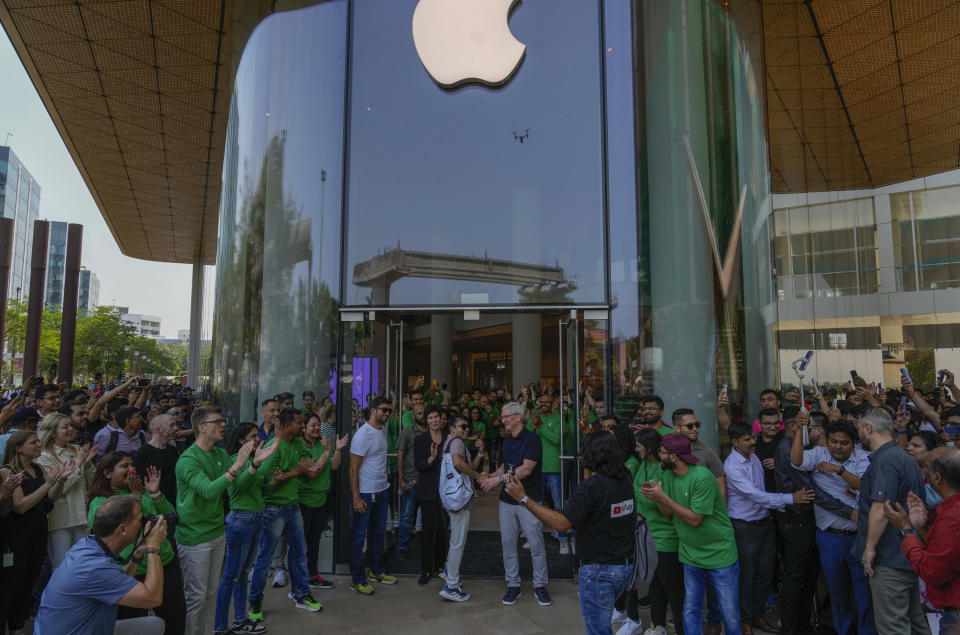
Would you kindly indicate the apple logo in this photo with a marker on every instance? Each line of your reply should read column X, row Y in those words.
column 466, row 41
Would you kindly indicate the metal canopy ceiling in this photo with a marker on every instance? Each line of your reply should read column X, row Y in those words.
column 860, row 93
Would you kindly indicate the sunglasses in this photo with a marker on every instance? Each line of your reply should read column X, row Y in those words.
column 691, row 426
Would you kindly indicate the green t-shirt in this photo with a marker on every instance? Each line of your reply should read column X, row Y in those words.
column 549, row 434
column 286, row 457
column 246, row 492
column 633, row 464
column 201, row 482
column 710, row 545
column 664, row 430
column 407, row 419
column 491, row 431
column 148, row 507
column 313, row 491
column 662, row 529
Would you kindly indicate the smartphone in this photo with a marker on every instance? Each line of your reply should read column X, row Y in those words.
column 816, row 386
column 724, row 390
column 143, row 382
column 853, row 378
column 903, row 403
column 906, row 374
column 879, row 388
column 941, row 377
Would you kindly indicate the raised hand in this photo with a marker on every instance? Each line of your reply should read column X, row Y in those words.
column 264, row 452
column 305, row 465
column 479, row 444
column 152, row 482
column 51, row 476
column 10, row 484
column 245, row 451
column 157, row 535
column 342, row 441
column 91, row 454
column 917, row 511
column 134, row 484
column 69, row 468
column 653, row 491
column 325, row 444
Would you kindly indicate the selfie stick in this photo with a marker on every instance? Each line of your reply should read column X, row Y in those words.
column 799, row 366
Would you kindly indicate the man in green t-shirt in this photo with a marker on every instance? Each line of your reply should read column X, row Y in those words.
column 416, row 413
column 203, row 474
column 546, row 423
column 690, row 496
column 281, row 515
column 651, row 415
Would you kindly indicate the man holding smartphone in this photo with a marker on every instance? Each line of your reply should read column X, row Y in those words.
column 522, row 456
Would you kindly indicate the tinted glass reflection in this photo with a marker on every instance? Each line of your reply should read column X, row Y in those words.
column 476, row 195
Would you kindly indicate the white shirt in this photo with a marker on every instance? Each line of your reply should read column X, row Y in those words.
column 746, row 498
column 833, row 484
column 371, row 444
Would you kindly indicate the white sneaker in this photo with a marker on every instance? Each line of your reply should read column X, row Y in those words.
column 618, row 616
column 655, row 630
column 630, row 627
column 526, row 544
column 564, row 549
column 280, row 579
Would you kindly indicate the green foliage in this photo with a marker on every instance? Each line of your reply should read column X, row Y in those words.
column 922, row 368
column 104, row 343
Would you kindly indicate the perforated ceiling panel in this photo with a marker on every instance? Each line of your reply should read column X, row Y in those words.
column 860, row 93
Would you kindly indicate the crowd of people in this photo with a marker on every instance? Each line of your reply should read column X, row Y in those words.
column 134, row 510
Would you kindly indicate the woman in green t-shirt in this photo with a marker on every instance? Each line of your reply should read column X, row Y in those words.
column 313, row 488
column 116, row 476
column 667, row 584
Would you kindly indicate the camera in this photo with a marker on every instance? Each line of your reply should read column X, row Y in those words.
column 171, row 518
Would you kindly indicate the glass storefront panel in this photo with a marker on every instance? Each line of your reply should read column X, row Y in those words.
column 476, row 195
column 278, row 259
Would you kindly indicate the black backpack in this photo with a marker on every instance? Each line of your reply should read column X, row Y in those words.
column 115, row 439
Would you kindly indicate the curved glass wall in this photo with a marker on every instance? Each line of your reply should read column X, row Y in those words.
column 692, row 296
column 623, row 165
column 476, row 195
column 278, row 258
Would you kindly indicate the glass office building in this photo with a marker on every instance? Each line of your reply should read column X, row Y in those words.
column 19, row 200
column 56, row 264
column 601, row 216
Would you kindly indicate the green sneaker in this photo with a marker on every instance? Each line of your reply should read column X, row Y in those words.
column 362, row 588
column 305, row 602
column 383, row 578
column 256, row 611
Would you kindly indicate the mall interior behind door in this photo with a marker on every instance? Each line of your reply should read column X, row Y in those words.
column 446, row 353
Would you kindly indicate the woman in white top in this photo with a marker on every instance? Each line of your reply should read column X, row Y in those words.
column 67, row 523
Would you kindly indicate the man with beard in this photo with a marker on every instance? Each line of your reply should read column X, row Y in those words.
column 651, row 415
column 690, row 496
column 416, row 413
column 892, row 475
column 837, row 469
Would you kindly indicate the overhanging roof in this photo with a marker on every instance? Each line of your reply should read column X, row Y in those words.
column 860, row 93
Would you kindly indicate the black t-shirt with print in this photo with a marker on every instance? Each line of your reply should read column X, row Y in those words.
column 601, row 511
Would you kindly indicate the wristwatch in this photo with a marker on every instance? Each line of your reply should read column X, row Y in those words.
column 842, row 470
column 523, row 501
column 910, row 530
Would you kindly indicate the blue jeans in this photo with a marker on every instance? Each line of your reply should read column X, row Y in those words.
column 950, row 622
column 408, row 516
column 243, row 530
column 843, row 572
column 551, row 482
column 600, row 586
column 726, row 584
column 282, row 520
column 370, row 526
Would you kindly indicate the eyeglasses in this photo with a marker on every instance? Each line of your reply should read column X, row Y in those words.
column 692, row 425
column 216, row 421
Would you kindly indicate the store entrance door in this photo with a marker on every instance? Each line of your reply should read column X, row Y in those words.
column 471, row 362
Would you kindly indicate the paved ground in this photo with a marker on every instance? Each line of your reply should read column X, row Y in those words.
column 410, row 608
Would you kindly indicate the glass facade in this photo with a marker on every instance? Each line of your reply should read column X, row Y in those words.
column 56, row 264
column 604, row 212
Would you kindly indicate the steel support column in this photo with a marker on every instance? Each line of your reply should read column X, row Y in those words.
column 38, row 279
column 71, row 286
column 196, row 320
